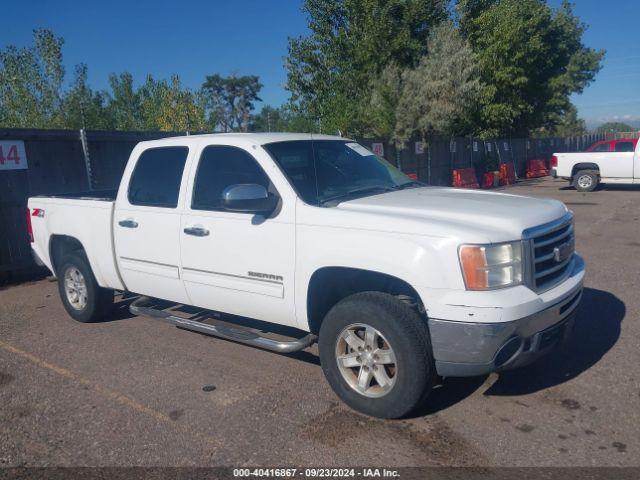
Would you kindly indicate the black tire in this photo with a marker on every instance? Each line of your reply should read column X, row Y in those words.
column 586, row 180
column 99, row 301
column 407, row 334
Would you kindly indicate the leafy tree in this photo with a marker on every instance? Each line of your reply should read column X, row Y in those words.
column 439, row 91
column 569, row 124
column 469, row 10
column 532, row 60
column 615, row 127
column 230, row 100
column 124, row 103
column 386, row 92
column 282, row 119
column 166, row 106
column 81, row 107
column 31, row 82
column 350, row 43
column 270, row 119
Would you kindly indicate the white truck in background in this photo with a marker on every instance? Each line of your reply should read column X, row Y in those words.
column 398, row 282
column 615, row 162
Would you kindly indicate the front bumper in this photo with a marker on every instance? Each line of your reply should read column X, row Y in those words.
column 465, row 349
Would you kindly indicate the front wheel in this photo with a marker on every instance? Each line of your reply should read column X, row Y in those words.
column 376, row 354
column 82, row 297
column 586, row 180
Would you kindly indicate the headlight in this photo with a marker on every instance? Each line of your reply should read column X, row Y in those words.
column 491, row 266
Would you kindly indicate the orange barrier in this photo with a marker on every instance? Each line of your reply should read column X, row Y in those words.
column 537, row 168
column 507, row 174
column 465, row 178
column 488, row 180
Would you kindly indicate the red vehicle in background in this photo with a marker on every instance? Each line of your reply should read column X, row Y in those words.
column 619, row 145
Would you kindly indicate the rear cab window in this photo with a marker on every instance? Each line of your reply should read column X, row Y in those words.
column 603, row 147
column 624, row 147
column 157, row 176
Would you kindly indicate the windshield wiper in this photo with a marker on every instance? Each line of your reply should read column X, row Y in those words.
column 357, row 191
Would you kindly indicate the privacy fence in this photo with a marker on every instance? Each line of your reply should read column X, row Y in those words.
column 42, row 162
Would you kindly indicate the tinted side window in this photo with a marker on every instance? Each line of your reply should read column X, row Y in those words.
column 624, row 147
column 603, row 147
column 221, row 166
column 155, row 182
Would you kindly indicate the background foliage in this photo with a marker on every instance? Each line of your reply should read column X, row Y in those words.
column 386, row 68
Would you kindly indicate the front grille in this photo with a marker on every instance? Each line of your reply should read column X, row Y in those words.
column 551, row 249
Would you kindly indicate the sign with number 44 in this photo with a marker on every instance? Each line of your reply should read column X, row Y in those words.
column 12, row 155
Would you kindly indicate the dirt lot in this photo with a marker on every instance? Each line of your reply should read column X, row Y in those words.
column 133, row 391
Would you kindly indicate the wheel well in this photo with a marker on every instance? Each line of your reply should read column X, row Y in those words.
column 61, row 245
column 329, row 285
column 584, row 166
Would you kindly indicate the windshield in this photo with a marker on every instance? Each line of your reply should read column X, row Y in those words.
column 324, row 171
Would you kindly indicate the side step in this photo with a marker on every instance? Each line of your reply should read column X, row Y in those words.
column 239, row 334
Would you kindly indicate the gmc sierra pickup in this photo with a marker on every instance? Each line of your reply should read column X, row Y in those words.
column 399, row 283
column 586, row 170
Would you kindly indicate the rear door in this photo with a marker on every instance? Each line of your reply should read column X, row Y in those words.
column 238, row 263
column 147, row 223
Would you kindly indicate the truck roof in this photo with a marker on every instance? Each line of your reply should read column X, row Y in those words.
column 253, row 138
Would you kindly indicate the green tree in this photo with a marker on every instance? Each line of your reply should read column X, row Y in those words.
column 230, row 100
column 532, row 59
column 31, row 83
column 330, row 71
column 437, row 93
column 270, row 119
column 82, row 107
column 615, row 127
column 124, row 103
column 567, row 125
column 167, row 106
column 281, row 119
column 386, row 91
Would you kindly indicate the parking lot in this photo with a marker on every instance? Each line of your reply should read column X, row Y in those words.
column 134, row 391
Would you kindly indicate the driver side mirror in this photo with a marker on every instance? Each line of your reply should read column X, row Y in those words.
column 249, row 198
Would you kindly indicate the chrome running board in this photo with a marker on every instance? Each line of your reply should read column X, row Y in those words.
column 238, row 334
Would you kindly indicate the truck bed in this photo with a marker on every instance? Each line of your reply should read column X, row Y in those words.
column 84, row 216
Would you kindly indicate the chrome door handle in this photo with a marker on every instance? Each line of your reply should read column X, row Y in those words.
column 128, row 223
column 196, row 231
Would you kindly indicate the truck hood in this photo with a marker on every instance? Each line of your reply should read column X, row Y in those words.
column 497, row 216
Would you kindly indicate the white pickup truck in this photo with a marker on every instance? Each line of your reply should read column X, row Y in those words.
column 399, row 283
column 586, row 170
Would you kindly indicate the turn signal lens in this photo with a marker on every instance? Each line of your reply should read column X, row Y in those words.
column 491, row 266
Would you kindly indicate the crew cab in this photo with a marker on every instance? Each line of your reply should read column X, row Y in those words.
column 400, row 283
column 612, row 161
column 616, row 145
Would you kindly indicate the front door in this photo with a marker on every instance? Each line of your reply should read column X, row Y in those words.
column 146, row 224
column 238, row 263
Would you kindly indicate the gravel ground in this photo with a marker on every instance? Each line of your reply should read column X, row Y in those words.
column 133, row 391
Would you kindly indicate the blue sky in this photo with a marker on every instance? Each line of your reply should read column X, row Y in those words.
column 197, row 38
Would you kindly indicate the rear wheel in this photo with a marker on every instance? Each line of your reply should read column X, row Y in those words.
column 586, row 180
column 376, row 354
column 82, row 297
